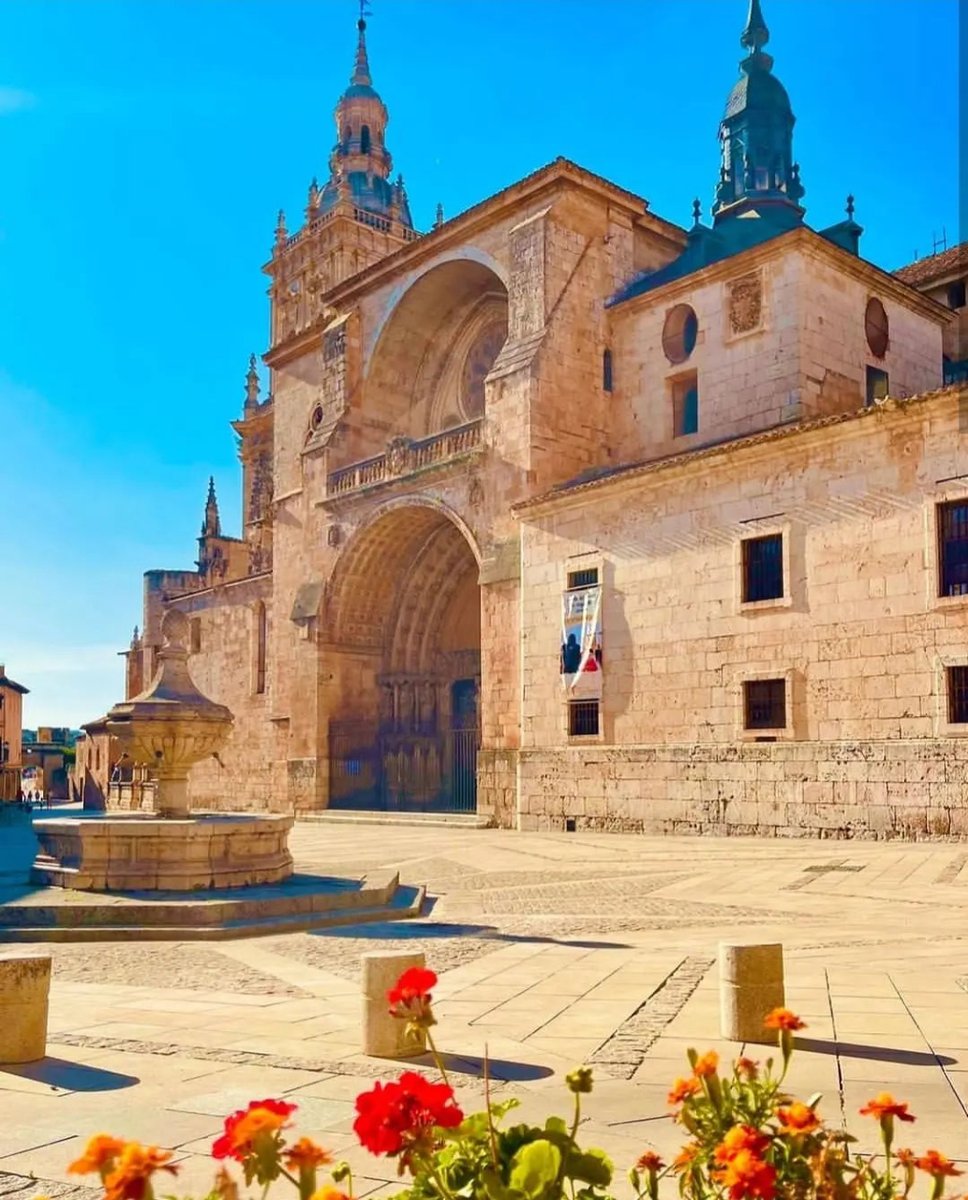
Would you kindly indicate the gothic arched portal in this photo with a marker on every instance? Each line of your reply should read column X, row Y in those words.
column 401, row 665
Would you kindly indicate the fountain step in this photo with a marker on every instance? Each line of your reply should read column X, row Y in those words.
column 406, row 905
column 304, row 902
column 364, row 817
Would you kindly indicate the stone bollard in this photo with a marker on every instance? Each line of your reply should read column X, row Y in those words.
column 750, row 986
column 24, row 988
column 385, row 1036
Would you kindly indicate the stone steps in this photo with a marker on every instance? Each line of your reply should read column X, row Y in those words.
column 348, row 817
column 90, row 917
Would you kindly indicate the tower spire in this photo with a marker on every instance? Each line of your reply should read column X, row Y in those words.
column 755, row 36
column 212, row 526
column 251, row 385
column 361, row 71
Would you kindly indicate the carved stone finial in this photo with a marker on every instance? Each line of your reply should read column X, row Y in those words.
column 850, row 208
column 281, row 231
column 439, row 220
column 696, row 211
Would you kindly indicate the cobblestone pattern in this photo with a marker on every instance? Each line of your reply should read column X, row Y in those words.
column 172, row 964
column 953, row 869
column 21, row 1187
column 341, row 955
column 626, row 1049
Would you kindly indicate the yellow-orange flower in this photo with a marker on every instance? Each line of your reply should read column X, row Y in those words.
column 739, row 1139
column 328, row 1192
column 686, row 1157
column 243, row 1127
column 746, row 1175
column 797, row 1118
column 129, row 1178
column 936, row 1164
column 706, row 1065
column 682, row 1089
column 884, row 1105
column 906, row 1158
column 306, row 1153
column 650, row 1161
column 99, row 1153
column 783, row 1018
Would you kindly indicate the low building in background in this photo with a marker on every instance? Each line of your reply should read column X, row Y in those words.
column 11, row 735
column 944, row 278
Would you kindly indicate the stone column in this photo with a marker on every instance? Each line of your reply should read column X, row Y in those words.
column 385, row 1036
column 750, row 986
column 24, row 989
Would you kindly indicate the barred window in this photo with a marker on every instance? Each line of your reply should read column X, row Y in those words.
column 958, row 695
column 582, row 718
column 607, row 370
column 764, row 703
column 582, row 579
column 878, row 385
column 953, row 547
column 260, row 648
column 763, row 568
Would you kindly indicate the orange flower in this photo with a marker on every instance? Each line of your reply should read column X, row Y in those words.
column 746, row 1068
column 783, row 1018
column 682, row 1089
column 746, row 1175
column 99, row 1153
column 739, row 1140
column 225, row 1186
column 706, row 1065
column 905, row 1158
column 305, row 1153
column 686, row 1157
column 130, row 1177
column 650, row 1161
column 797, row 1118
column 243, row 1127
column 884, row 1105
column 936, row 1164
column 328, row 1192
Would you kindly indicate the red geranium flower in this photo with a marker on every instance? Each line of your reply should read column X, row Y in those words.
column 399, row 1118
column 410, row 996
column 242, row 1128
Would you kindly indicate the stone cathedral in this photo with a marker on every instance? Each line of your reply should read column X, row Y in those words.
column 571, row 516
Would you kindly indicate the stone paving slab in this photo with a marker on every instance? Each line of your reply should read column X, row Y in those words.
column 551, row 950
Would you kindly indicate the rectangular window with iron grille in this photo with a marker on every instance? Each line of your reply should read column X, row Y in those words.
column 953, row 547
column 764, row 704
column 957, row 695
column 763, row 568
column 582, row 718
column 583, row 579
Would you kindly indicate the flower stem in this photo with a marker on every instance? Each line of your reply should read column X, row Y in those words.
column 437, row 1059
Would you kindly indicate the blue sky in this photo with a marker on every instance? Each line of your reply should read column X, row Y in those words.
column 147, row 145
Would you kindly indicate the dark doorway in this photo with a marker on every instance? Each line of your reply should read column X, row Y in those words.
column 463, row 745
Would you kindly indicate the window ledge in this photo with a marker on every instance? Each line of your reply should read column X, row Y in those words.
column 785, row 734
column 947, row 729
column 940, row 603
column 751, row 606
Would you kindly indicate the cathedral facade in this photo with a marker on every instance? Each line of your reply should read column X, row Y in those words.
column 574, row 517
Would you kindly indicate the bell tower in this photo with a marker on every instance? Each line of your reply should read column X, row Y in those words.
column 756, row 135
column 356, row 218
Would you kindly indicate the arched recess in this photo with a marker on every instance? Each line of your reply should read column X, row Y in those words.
column 400, row 657
column 427, row 368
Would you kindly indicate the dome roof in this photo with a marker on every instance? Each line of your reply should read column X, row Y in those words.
column 361, row 89
column 757, row 90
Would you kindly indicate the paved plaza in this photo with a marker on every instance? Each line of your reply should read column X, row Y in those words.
column 552, row 950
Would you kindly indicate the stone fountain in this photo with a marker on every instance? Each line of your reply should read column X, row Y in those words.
column 168, row 727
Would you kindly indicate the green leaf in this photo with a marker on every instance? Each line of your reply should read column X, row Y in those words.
column 590, row 1166
column 493, row 1186
column 556, row 1125
column 501, row 1108
column 535, row 1168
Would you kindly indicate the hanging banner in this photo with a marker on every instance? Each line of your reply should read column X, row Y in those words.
column 581, row 642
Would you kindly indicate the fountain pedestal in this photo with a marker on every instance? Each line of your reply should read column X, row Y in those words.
column 170, row 726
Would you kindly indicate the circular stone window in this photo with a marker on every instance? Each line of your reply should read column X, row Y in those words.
column 679, row 333
column 317, row 418
column 877, row 328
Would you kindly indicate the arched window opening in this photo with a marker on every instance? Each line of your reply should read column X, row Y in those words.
column 607, row 370
column 365, row 139
column 260, row 648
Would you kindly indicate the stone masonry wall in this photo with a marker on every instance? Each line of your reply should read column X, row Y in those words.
column 860, row 636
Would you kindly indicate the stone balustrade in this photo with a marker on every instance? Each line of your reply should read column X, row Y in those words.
column 403, row 456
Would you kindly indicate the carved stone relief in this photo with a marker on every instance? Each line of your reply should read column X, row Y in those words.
column 745, row 304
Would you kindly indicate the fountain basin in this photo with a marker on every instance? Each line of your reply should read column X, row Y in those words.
column 142, row 852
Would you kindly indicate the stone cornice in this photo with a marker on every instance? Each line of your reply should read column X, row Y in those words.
column 621, row 478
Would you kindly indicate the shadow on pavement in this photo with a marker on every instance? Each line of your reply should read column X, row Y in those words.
column 498, row 1069
column 913, row 1058
column 403, row 931
column 72, row 1077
